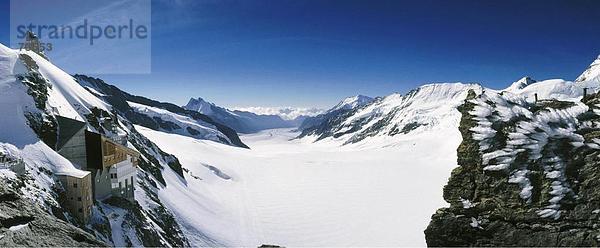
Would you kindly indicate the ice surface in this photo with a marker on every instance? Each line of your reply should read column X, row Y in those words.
column 297, row 193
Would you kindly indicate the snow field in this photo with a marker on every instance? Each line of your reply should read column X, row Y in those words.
column 295, row 193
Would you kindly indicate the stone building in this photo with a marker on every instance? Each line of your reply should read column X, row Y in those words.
column 78, row 193
column 112, row 164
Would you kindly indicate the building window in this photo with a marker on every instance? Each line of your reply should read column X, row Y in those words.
column 78, row 198
column 80, row 210
column 120, row 185
column 74, row 185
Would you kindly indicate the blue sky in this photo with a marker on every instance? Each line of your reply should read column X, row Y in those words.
column 313, row 53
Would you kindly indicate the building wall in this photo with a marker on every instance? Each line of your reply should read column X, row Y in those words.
column 75, row 150
column 111, row 163
column 93, row 149
column 78, row 196
column 122, row 162
column 102, row 186
column 123, row 176
column 93, row 146
column 113, row 153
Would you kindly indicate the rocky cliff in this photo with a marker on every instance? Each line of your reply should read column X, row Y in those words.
column 528, row 175
column 24, row 223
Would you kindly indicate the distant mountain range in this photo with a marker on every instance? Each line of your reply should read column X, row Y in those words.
column 246, row 121
column 286, row 113
column 357, row 118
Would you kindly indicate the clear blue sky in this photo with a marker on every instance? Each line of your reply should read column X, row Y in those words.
column 313, row 53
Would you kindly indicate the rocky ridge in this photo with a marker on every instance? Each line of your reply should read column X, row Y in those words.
column 528, row 174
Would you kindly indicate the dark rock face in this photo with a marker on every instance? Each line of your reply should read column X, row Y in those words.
column 327, row 125
column 544, row 190
column 23, row 223
column 42, row 123
column 331, row 123
column 134, row 218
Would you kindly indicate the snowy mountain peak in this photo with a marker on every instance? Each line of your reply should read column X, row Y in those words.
column 436, row 93
column 592, row 73
column 520, row 84
column 429, row 107
column 199, row 105
column 353, row 102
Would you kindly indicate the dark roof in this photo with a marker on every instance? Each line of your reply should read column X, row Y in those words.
column 67, row 128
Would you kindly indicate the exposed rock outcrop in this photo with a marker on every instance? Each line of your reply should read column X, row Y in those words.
column 528, row 175
column 23, row 223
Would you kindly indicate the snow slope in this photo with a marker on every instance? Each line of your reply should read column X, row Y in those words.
column 17, row 139
column 185, row 124
column 592, row 73
column 520, row 84
column 426, row 108
column 554, row 89
column 297, row 193
column 13, row 101
column 352, row 102
column 66, row 97
column 120, row 102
